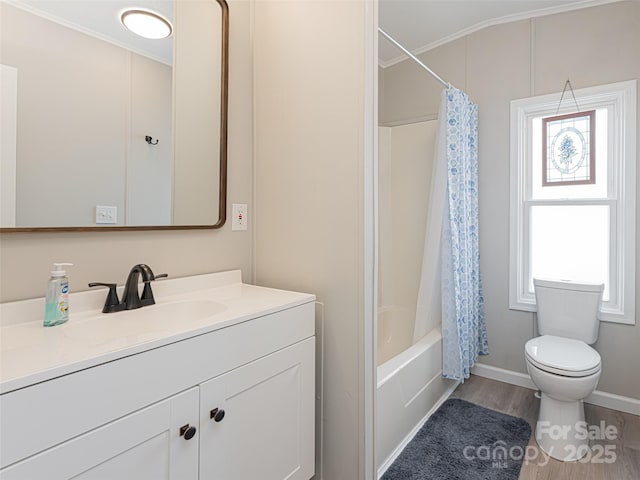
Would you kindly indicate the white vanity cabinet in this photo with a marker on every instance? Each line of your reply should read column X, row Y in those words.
column 235, row 402
column 257, row 421
column 145, row 445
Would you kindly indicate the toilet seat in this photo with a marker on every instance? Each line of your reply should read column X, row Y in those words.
column 562, row 356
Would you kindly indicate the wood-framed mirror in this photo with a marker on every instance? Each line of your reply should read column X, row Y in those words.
column 107, row 131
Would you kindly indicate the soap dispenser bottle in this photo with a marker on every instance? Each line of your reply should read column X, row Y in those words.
column 56, row 308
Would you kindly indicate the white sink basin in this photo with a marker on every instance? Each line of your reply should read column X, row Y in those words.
column 162, row 313
column 142, row 323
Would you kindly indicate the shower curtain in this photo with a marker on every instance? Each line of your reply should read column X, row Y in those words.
column 450, row 285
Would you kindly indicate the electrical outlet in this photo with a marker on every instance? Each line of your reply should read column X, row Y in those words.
column 106, row 214
column 239, row 217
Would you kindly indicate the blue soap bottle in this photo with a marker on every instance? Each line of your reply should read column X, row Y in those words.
column 56, row 308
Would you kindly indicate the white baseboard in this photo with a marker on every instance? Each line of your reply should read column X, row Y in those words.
column 615, row 402
column 502, row 375
column 599, row 398
column 391, row 458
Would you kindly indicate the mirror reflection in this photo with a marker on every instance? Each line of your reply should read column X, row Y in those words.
column 102, row 127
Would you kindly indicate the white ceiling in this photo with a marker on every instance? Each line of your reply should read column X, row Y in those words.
column 101, row 18
column 420, row 25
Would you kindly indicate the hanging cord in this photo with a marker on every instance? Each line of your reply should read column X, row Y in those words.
column 567, row 83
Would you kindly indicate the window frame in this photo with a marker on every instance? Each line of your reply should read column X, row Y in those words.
column 620, row 99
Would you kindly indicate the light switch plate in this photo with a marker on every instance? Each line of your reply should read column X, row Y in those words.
column 106, row 214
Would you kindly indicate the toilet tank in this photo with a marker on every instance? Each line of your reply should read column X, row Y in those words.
column 568, row 309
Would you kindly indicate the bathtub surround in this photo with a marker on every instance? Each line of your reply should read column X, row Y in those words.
column 405, row 159
column 428, row 310
column 464, row 440
column 496, row 65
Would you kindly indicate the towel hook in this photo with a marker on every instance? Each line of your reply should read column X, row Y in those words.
column 150, row 141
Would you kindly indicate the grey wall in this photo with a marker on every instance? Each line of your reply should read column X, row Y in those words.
column 25, row 258
column 591, row 46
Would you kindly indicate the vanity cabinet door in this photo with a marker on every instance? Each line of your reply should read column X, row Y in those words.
column 257, row 421
column 145, row 445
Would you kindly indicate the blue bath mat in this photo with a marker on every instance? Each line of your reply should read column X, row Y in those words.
column 464, row 441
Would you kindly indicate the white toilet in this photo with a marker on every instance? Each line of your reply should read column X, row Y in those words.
column 563, row 365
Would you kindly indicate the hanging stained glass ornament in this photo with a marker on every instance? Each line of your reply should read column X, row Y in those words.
column 568, row 149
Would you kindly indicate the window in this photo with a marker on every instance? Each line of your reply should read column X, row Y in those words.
column 573, row 195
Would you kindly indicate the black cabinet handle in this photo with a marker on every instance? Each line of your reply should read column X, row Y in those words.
column 187, row 431
column 216, row 414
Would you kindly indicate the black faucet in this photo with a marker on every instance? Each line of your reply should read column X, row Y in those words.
column 130, row 298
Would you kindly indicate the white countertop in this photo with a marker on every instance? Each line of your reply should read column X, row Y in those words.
column 185, row 307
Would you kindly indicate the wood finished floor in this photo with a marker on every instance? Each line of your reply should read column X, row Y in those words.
column 520, row 402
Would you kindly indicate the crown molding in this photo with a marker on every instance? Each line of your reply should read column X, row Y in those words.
column 542, row 12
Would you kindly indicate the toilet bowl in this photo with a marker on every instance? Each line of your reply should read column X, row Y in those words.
column 562, row 365
column 566, row 371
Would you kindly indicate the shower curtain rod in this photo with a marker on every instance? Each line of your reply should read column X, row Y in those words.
column 413, row 57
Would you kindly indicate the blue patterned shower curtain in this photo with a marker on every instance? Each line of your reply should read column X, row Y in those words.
column 464, row 334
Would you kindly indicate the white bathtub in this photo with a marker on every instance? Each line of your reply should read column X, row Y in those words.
column 410, row 388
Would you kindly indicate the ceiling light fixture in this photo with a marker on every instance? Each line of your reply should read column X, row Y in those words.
column 146, row 23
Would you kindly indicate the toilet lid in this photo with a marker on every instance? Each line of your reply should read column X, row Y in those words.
column 564, row 356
